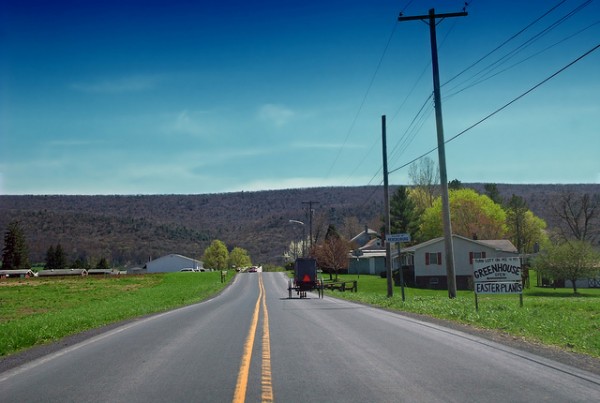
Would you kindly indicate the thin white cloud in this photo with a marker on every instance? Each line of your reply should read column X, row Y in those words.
column 72, row 143
column 293, row 183
column 277, row 115
column 185, row 122
column 134, row 83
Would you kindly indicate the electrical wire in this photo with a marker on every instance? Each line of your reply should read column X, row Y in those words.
column 522, row 60
column 364, row 99
column 503, row 43
column 490, row 68
column 544, row 81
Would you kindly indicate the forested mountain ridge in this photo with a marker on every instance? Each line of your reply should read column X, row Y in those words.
column 128, row 230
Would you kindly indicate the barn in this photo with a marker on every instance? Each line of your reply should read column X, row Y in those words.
column 172, row 263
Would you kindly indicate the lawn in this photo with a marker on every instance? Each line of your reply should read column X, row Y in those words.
column 40, row 310
column 550, row 316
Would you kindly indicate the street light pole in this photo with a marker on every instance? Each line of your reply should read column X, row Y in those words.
column 303, row 233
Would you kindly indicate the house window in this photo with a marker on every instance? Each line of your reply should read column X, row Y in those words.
column 476, row 255
column 433, row 258
column 407, row 260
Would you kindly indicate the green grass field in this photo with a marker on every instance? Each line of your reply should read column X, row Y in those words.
column 37, row 311
column 40, row 310
column 550, row 316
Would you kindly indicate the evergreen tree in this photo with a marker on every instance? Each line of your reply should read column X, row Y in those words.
column 516, row 213
column 60, row 260
column 51, row 258
column 491, row 191
column 103, row 264
column 402, row 213
column 455, row 184
column 14, row 253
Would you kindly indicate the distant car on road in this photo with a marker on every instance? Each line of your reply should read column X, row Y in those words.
column 252, row 270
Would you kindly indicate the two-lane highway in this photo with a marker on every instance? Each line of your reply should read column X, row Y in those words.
column 252, row 343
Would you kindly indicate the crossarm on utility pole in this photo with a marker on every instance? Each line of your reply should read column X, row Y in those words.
column 449, row 255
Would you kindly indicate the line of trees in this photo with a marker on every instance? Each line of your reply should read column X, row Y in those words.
column 15, row 253
column 568, row 253
column 217, row 257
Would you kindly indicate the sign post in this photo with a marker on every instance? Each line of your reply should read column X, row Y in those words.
column 399, row 238
column 357, row 253
column 500, row 275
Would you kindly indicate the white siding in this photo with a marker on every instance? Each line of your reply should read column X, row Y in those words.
column 462, row 264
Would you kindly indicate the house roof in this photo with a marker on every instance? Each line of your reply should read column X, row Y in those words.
column 503, row 245
column 365, row 236
column 62, row 272
column 15, row 272
column 176, row 255
column 373, row 244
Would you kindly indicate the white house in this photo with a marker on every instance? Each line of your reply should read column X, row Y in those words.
column 425, row 263
column 172, row 263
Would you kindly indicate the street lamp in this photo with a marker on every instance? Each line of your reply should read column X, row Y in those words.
column 303, row 233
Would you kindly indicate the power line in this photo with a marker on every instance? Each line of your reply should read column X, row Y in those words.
column 490, row 68
column 503, row 107
column 362, row 102
column 503, row 43
column 522, row 60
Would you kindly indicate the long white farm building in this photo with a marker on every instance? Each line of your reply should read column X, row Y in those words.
column 171, row 263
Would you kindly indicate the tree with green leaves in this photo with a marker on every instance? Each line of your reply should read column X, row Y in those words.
column 570, row 260
column 216, row 256
column 473, row 215
column 402, row 212
column 239, row 258
column 14, row 253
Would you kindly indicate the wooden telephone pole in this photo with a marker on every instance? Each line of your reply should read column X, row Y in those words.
column 431, row 19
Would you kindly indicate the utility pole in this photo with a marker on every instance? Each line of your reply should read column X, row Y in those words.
column 431, row 17
column 386, row 203
column 310, row 216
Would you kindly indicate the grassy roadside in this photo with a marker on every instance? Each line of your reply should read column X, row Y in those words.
column 36, row 311
column 549, row 316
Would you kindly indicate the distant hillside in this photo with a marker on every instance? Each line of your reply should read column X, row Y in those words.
column 130, row 229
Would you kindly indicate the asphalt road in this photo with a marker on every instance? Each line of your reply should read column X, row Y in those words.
column 252, row 343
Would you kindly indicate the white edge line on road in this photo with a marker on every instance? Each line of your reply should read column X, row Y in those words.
column 42, row 360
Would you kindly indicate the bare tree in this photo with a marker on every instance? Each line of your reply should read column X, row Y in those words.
column 579, row 215
column 332, row 253
column 350, row 227
column 424, row 175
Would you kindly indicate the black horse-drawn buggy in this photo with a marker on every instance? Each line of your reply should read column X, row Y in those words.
column 305, row 278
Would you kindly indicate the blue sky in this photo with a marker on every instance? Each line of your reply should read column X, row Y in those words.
column 152, row 97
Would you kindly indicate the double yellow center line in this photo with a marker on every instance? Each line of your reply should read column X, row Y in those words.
column 242, row 380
